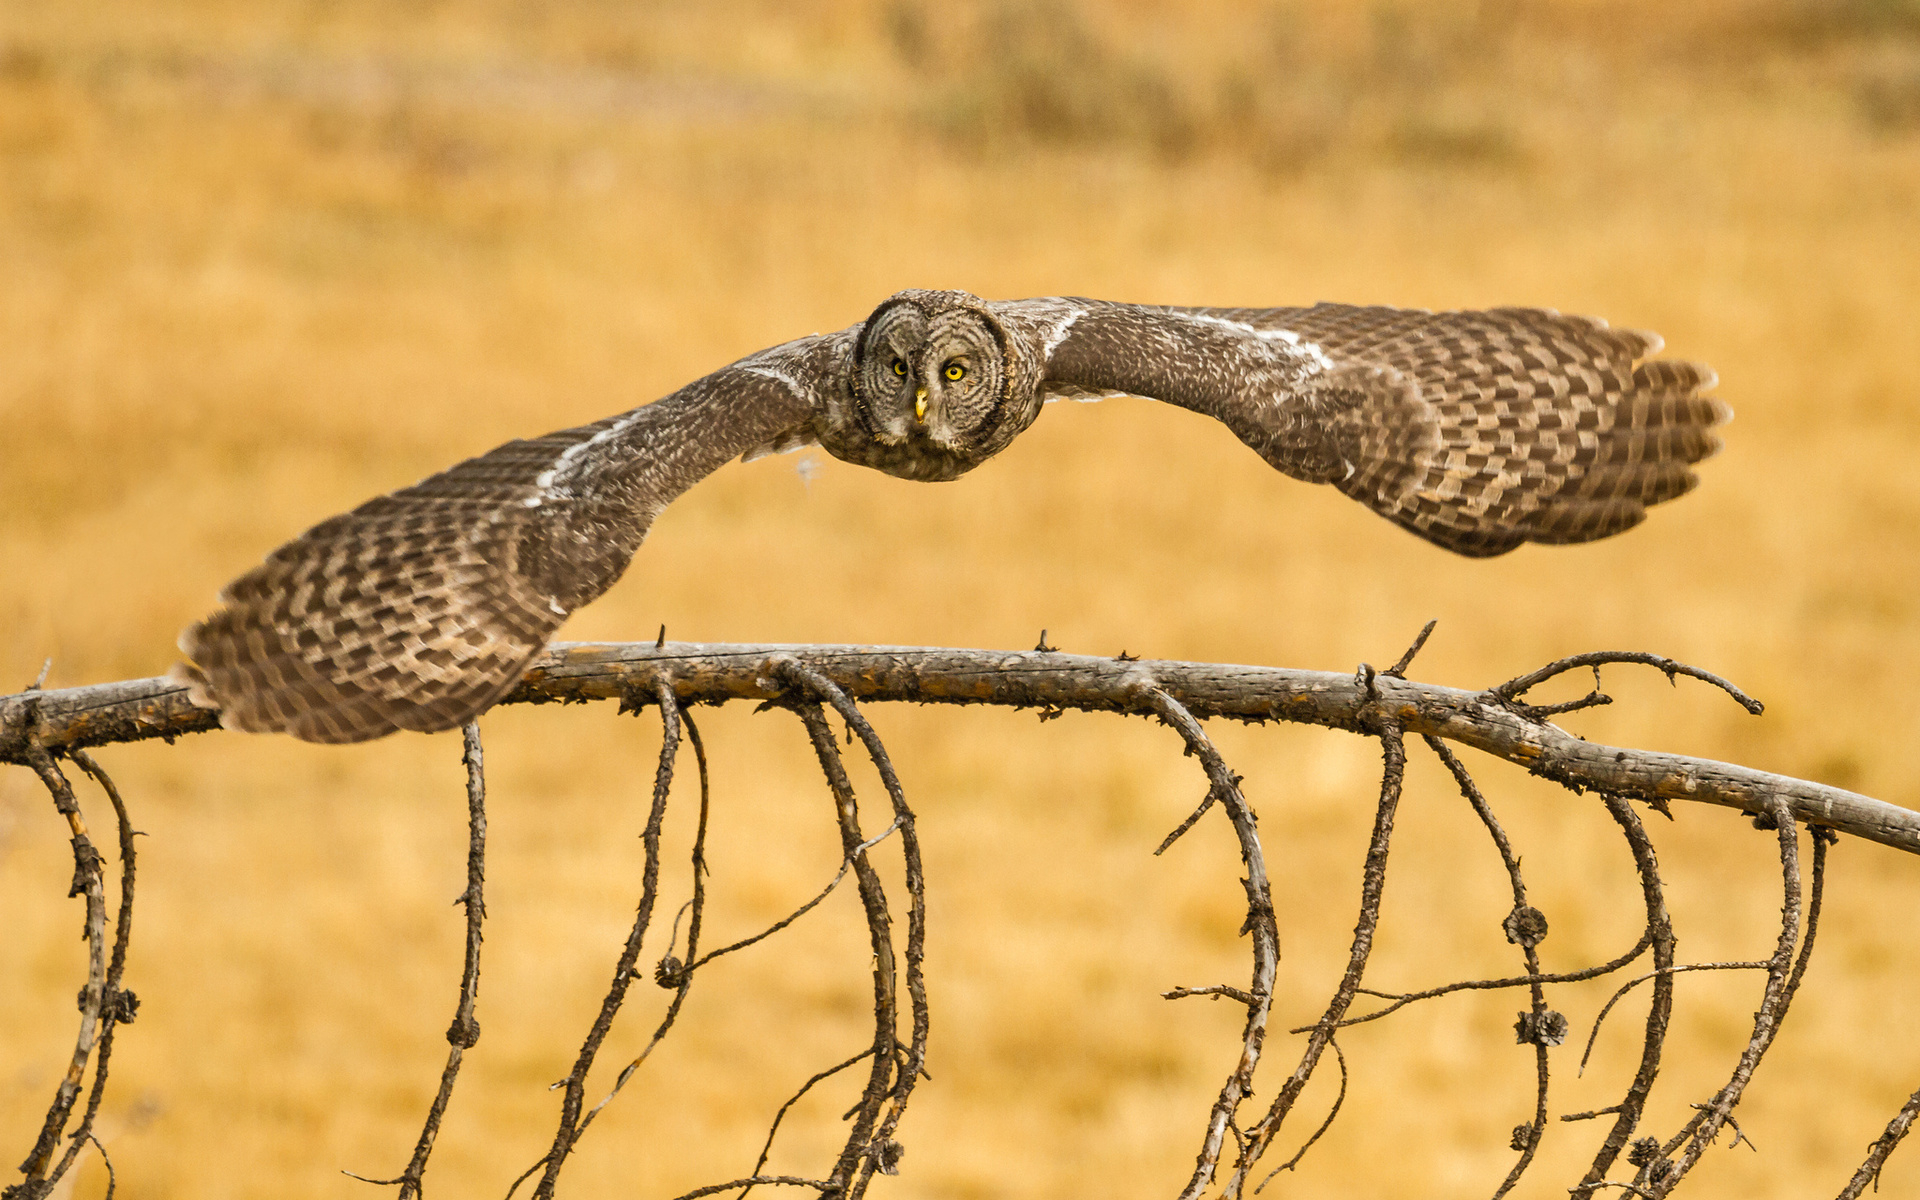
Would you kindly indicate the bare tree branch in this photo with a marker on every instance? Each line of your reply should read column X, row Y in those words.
column 147, row 708
column 880, row 929
column 38, row 727
column 1659, row 1012
column 1260, row 923
column 576, row 1080
column 465, row 1031
column 1526, row 927
column 884, row 1153
column 40, row 1169
column 1372, row 888
column 1700, row 1132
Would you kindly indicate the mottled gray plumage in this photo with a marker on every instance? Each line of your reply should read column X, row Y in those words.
column 1476, row 430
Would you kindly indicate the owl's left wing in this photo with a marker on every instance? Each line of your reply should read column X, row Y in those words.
column 419, row 609
column 1479, row 431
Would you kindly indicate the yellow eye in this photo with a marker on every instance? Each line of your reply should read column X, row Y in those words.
column 954, row 372
column 900, row 367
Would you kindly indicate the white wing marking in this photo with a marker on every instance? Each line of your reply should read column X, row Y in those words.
column 1310, row 350
column 548, row 480
column 778, row 376
column 1058, row 333
column 1052, row 391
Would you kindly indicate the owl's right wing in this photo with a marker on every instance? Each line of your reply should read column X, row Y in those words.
column 419, row 609
column 1479, row 431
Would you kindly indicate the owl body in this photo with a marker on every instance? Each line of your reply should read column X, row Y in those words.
column 1478, row 431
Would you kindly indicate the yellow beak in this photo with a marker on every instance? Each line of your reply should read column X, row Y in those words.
column 919, row 404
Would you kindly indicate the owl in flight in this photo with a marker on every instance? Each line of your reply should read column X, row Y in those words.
column 1476, row 430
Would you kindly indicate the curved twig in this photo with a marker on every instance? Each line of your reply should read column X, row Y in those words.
column 1402, row 999
column 848, row 1176
column 465, row 1031
column 773, row 1130
column 118, row 1006
column 1659, row 1012
column 1372, row 887
column 1700, row 1131
column 818, row 1185
column 1514, row 688
column 88, row 876
column 1869, row 1172
column 1338, row 1057
column 1529, row 940
column 846, row 863
column 680, row 979
column 1637, row 980
column 1266, row 943
column 913, row 1064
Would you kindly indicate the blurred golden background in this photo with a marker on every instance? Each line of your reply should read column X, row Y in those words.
column 261, row 262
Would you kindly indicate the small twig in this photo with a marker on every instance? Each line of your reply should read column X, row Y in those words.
column 1869, row 1172
column 1527, row 927
column 1216, row 991
column 846, row 863
column 818, row 1185
column 773, row 1130
column 526, row 1175
column 1514, row 688
column 1402, row 999
column 1539, row 712
column 1372, row 888
column 101, row 1148
column 1637, row 980
column 1399, row 669
column 1332, row 1112
column 1739, row 1134
column 1193, row 818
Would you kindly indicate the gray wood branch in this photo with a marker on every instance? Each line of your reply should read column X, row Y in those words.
column 134, row 710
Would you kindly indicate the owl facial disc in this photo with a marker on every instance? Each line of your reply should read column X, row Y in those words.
column 932, row 392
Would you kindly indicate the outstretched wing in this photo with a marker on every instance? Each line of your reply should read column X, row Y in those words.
column 1476, row 430
column 419, row 609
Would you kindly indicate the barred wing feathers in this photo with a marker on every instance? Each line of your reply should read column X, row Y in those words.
column 1479, row 431
column 419, row 609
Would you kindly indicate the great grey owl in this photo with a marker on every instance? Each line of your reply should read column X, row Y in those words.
column 1476, row 430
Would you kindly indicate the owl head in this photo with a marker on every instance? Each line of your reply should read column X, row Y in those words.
column 938, row 387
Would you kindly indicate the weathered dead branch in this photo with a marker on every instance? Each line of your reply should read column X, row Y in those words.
column 708, row 674
column 464, row 1033
column 1225, row 787
column 38, row 728
column 40, row 1168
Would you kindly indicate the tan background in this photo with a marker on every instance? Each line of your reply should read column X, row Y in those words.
column 261, row 262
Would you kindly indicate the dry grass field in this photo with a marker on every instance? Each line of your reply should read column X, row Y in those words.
column 259, row 262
